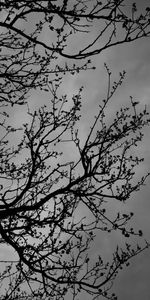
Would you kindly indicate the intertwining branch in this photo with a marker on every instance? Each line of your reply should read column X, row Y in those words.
column 34, row 34
column 53, row 206
column 40, row 208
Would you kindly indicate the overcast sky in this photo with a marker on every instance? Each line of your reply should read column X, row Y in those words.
column 133, row 282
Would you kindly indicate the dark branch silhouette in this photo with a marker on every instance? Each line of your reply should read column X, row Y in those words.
column 35, row 33
column 52, row 207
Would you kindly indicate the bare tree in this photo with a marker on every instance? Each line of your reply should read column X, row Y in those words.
column 42, row 190
column 35, row 33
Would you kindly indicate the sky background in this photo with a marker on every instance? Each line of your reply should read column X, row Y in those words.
column 133, row 283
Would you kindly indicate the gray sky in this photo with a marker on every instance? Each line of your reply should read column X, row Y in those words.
column 133, row 282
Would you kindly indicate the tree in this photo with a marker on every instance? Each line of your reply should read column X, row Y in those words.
column 28, row 57
column 42, row 191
